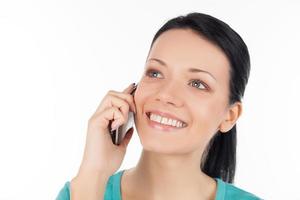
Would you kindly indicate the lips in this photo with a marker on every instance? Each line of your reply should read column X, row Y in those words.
column 164, row 114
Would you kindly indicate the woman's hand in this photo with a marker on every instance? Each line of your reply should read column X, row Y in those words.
column 101, row 156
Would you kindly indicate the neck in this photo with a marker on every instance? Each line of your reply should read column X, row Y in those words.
column 163, row 176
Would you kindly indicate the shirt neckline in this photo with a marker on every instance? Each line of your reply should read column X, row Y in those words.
column 220, row 194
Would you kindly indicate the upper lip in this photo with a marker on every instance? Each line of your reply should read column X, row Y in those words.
column 164, row 114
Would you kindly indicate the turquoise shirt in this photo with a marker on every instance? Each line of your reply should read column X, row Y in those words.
column 225, row 191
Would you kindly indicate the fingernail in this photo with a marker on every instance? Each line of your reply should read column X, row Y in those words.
column 114, row 127
column 131, row 85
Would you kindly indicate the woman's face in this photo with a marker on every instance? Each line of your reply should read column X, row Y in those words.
column 187, row 77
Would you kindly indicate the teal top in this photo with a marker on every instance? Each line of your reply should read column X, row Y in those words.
column 225, row 191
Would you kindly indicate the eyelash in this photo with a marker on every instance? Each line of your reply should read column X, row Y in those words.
column 198, row 81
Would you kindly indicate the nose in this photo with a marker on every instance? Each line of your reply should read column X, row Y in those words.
column 169, row 94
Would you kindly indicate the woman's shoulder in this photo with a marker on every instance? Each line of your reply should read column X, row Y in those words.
column 230, row 191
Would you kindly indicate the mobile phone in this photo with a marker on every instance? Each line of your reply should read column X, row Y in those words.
column 118, row 134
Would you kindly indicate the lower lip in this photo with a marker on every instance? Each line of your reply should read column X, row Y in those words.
column 160, row 126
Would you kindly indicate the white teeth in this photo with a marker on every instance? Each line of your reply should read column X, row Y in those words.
column 173, row 122
column 164, row 120
column 167, row 121
column 178, row 124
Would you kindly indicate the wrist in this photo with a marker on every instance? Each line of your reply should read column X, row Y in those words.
column 88, row 185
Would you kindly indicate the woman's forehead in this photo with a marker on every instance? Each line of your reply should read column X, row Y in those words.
column 179, row 48
column 187, row 45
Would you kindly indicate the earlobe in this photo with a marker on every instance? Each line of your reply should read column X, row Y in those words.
column 232, row 115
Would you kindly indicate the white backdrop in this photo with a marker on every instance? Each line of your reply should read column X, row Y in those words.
column 58, row 59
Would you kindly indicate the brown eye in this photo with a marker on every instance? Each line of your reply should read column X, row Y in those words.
column 152, row 73
column 199, row 84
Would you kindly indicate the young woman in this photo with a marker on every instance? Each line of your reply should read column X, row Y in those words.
column 186, row 107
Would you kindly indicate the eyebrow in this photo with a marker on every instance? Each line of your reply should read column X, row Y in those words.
column 190, row 69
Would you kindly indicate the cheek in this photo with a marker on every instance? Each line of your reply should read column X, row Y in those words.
column 143, row 93
column 204, row 125
column 206, row 117
column 140, row 97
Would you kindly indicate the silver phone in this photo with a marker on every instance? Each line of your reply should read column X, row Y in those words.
column 118, row 134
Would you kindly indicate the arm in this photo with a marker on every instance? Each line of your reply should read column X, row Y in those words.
column 88, row 186
column 101, row 157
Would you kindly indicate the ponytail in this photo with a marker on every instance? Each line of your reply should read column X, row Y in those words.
column 219, row 157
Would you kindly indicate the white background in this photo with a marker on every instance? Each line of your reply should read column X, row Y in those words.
column 59, row 58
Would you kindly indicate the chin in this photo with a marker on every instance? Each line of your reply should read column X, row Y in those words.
column 163, row 141
column 163, row 144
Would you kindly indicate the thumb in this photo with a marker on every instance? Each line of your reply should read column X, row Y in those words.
column 127, row 138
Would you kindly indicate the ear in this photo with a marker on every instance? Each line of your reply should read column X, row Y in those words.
column 231, row 116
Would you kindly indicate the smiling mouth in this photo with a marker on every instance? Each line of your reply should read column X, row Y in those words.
column 164, row 123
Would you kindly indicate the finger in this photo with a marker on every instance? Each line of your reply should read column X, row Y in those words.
column 118, row 118
column 120, row 104
column 115, row 101
column 126, row 97
column 129, row 88
column 101, row 120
